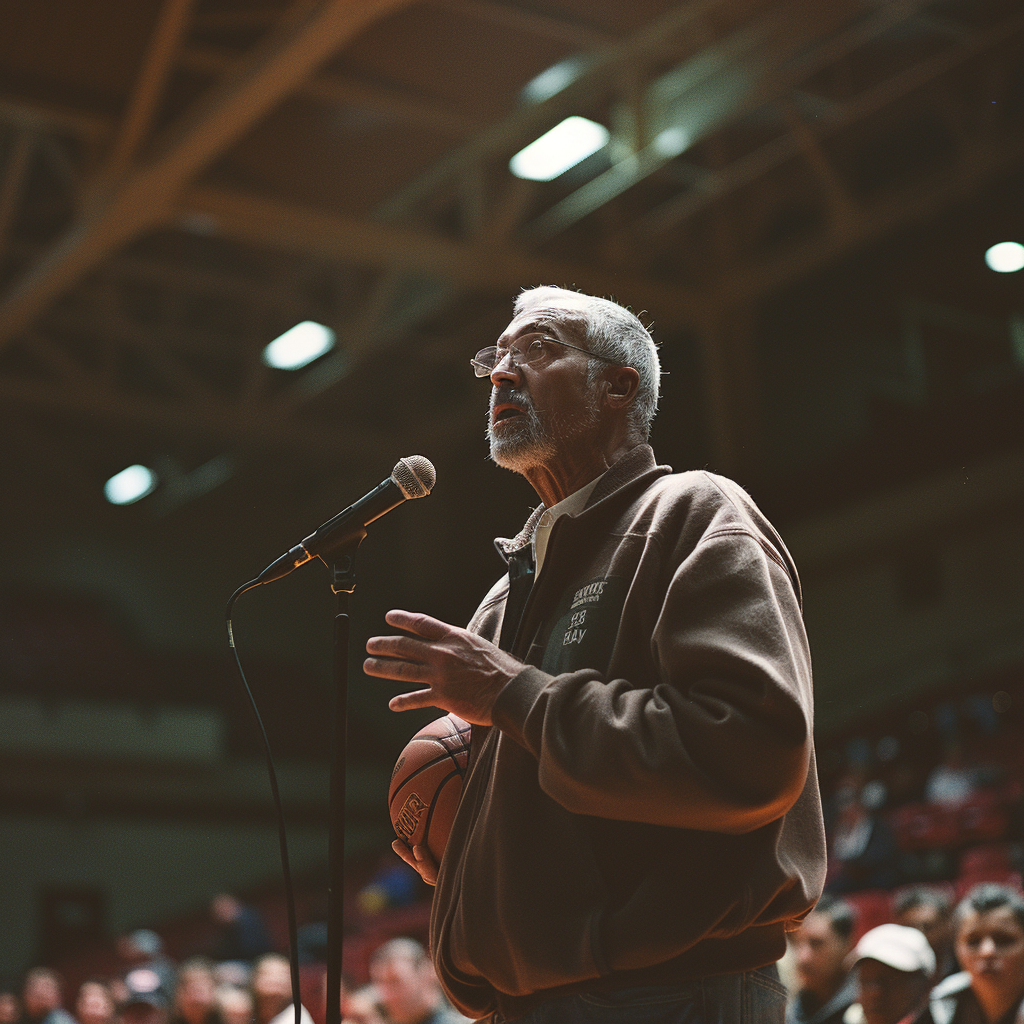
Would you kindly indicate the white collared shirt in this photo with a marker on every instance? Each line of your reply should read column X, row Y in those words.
column 574, row 504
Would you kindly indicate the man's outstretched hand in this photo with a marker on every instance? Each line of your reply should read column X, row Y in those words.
column 463, row 672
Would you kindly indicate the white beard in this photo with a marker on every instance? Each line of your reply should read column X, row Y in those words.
column 522, row 443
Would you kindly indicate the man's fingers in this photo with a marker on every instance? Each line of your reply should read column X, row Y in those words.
column 392, row 668
column 406, row 647
column 422, row 625
column 417, row 699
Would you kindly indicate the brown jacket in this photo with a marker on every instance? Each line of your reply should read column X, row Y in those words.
column 646, row 809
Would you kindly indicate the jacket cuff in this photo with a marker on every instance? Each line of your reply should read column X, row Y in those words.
column 515, row 702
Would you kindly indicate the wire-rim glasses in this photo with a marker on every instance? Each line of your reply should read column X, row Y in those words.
column 487, row 359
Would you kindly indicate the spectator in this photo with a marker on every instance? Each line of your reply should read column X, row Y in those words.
column 931, row 913
column 863, row 844
column 234, row 1005
column 42, row 998
column 361, row 1008
column 195, row 993
column 94, row 1004
column 242, row 933
column 272, row 992
column 821, row 946
column 951, row 782
column 144, row 1005
column 407, row 988
column 895, row 965
column 10, row 1011
column 148, row 968
column 989, row 935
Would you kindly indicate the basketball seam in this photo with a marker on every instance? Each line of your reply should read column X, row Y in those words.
column 424, row 767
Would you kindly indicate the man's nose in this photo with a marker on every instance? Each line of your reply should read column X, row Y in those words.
column 505, row 370
column 987, row 947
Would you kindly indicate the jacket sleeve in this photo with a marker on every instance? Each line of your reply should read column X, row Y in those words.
column 721, row 742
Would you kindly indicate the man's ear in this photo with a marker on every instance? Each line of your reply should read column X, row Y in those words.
column 623, row 383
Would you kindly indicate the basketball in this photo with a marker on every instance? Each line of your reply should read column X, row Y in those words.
column 426, row 784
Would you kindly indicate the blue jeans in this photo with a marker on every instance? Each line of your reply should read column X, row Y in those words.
column 755, row 997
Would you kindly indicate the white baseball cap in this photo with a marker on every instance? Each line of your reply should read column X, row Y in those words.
column 906, row 949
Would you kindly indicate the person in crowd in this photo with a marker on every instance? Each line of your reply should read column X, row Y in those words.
column 952, row 782
column 272, row 992
column 863, row 844
column 145, row 1004
column 821, row 947
column 407, row 988
column 234, row 1005
column 930, row 912
column 147, row 967
column 894, row 969
column 361, row 1007
column 195, row 993
column 242, row 935
column 10, row 1010
column 988, row 926
column 42, row 998
column 94, row 1003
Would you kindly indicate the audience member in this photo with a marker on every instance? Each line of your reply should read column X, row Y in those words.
column 144, row 1005
column 821, row 946
column 242, row 933
column 361, row 1008
column 42, row 998
column 894, row 969
column 272, row 992
column 931, row 913
column 10, row 1011
column 407, row 988
column 147, row 967
column 195, row 993
column 94, row 1003
column 988, row 927
column 951, row 782
column 863, row 844
column 234, row 1005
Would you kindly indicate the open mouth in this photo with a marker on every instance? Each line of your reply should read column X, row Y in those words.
column 507, row 412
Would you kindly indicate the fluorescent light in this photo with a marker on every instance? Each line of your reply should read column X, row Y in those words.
column 672, row 141
column 556, row 151
column 551, row 82
column 129, row 485
column 300, row 345
column 1005, row 258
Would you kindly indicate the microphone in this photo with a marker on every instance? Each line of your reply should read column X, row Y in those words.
column 411, row 478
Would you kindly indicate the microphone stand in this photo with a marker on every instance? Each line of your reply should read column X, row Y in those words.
column 343, row 583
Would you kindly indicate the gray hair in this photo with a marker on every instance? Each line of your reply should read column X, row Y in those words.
column 612, row 331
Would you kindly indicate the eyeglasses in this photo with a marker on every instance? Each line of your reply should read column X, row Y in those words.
column 525, row 353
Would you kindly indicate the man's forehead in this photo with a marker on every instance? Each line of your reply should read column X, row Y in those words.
column 540, row 317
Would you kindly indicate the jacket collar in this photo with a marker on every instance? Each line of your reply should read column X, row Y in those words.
column 637, row 463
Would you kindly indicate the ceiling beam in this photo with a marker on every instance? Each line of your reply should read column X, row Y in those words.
column 917, row 203
column 149, row 88
column 337, row 90
column 528, row 22
column 36, row 116
column 273, row 223
column 760, row 162
column 597, row 75
column 269, row 72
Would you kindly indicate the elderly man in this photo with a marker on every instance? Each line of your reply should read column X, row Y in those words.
column 640, row 824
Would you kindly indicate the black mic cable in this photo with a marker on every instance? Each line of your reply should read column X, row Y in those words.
column 412, row 477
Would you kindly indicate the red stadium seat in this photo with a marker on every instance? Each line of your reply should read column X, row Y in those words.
column 925, row 827
column 982, row 818
column 872, row 906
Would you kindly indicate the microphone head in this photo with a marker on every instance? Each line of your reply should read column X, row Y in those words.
column 415, row 476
